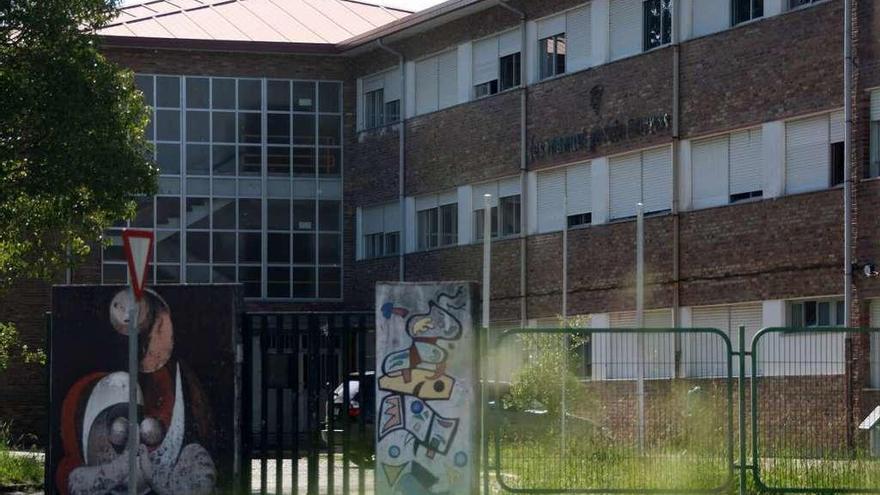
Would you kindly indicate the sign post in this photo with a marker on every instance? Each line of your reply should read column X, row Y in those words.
column 138, row 249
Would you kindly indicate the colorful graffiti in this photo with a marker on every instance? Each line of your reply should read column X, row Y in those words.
column 427, row 409
column 179, row 451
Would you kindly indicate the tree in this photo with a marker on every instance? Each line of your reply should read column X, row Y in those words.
column 73, row 155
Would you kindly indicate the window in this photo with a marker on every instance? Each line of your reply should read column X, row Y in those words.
column 551, row 51
column 381, row 99
column 507, row 216
column 644, row 177
column 615, row 355
column 381, row 230
column 556, row 188
column 874, row 164
column 436, row 226
column 837, row 164
column 726, row 169
column 746, row 10
column 374, row 108
column 701, row 354
column 496, row 64
column 241, row 162
column 808, row 314
column 809, row 152
column 658, row 23
column 793, row 4
column 511, row 72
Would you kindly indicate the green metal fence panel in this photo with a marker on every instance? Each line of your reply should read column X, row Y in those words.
column 805, row 435
column 612, row 411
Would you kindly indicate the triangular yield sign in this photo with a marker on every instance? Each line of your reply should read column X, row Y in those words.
column 138, row 250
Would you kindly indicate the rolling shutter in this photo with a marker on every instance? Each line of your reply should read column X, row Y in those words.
column 485, row 61
column 875, row 344
column 626, row 28
column 710, row 16
column 392, row 217
column 508, row 187
column 622, row 352
column 806, row 155
column 426, row 86
column 481, row 190
column 709, row 166
column 875, row 105
column 749, row 315
column 551, row 26
column 447, row 198
column 392, row 85
column 746, row 166
column 550, row 190
column 578, row 35
column 374, row 83
column 373, row 220
column 426, row 202
column 578, row 189
column 625, row 173
column 836, row 127
column 448, row 79
column 510, row 43
column 657, row 179
column 704, row 353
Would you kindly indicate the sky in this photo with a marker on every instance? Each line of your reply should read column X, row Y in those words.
column 402, row 4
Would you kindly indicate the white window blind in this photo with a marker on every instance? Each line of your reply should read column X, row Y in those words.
column 875, row 344
column 746, row 166
column 807, row 155
column 447, row 198
column 710, row 16
column 626, row 28
column 485, row 60
column 578, row 35
column 374, row 83
column 426, row 202
column 551, row 26
column 508, row 187
column 373, row 220
column 579, row 189
column 426, row 86
column 480, row 190
column 616, row 356
column 625, row 174
column 836, row 127
column 392, row 217
column 392, row 85
column 551, row 187
column 709, row 170
column 875, row 104
column 510, row 43
column 657, row 179
column 447, row 64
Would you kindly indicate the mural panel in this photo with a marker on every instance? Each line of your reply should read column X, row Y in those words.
column 186, row 390
column 427, row 363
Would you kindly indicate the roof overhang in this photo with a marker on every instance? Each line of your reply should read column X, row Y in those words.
column 241, row 46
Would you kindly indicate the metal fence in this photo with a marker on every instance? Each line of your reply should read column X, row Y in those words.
column 676, row 411
column 307, row 428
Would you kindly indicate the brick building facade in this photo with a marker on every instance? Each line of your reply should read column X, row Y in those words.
column 613, row 93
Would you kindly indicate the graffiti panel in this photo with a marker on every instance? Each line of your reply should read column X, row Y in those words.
column 427, row 363
column 187, row 405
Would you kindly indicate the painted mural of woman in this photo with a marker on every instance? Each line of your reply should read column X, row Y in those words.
column 174, row 445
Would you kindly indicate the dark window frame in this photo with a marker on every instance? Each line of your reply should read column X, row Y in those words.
column 737, row 16
column 558, row 66
column 661, row 9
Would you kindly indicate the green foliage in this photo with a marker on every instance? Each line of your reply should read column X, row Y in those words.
column 548, row 374
column 72, row 148
column 10, row 347
column 17, row 468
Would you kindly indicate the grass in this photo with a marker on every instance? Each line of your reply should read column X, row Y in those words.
column 16, row 468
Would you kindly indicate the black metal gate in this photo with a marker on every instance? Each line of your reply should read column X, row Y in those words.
column 308, row 400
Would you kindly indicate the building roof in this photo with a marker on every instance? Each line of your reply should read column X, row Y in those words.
column 261, row 23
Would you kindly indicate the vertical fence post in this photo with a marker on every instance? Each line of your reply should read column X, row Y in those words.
column 741, row 355
column 640, row 320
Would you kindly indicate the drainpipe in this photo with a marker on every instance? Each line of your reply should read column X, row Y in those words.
column 847, row 211
column 676, row 176
column 523, row 165
column 401, row 160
